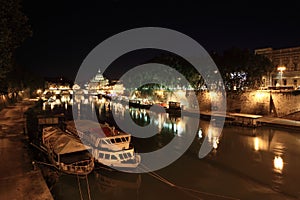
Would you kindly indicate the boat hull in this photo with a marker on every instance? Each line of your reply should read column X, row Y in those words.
column 129, row 164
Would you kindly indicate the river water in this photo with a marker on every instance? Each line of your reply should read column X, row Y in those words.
column 245, row 163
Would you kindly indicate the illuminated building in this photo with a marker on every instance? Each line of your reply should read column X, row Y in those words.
column 286, row 66
column 98, row 82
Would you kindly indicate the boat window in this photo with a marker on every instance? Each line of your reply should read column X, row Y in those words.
column 112, row 140
column 129, row 155
column 123, row 139
column 55, row 157
column 107, row 156
column 107, row 141
column 121, row 156
column 100, row 155
column 127, row 138
column 113, row 157
column 125, row 155
column 118, row 140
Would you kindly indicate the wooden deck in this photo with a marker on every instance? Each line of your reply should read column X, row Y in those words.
column 245, row 119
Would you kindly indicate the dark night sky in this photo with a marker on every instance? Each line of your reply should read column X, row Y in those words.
column 64, row 32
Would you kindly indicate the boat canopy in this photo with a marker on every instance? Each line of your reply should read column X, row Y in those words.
column 94, row 128
column 70, row 147
column 62, row 143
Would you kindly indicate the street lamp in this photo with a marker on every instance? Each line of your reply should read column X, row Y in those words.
column 281, row 69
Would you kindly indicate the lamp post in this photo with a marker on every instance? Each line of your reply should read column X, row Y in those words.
column 281, row 69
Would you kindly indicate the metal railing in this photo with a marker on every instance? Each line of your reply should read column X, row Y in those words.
column 79, row 167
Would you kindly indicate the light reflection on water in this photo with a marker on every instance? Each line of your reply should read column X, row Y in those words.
column 278, row 164
column 278, row 177
column 269, row 157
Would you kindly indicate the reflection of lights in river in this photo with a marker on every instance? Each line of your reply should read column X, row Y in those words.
column 90, row 98
column 160, row 122
column 64, row 99
column 179, row 128
column 278, row 164
column 102, row 100
column 213, row 137
column 93, row 106
column 215, row 142
column 200, row 133
column 77, row 98
column 166, row 125
column 256, row 144
column 86, row 101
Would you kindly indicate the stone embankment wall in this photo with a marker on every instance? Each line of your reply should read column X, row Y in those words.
column 286, row 103
column 275, row 103
column 205, row 100
column 260, row 102
column 255, row 102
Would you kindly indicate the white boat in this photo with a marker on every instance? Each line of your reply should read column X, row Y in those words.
column 110, row 146
column 119, row 159
column 100, row 136
column 66, row 152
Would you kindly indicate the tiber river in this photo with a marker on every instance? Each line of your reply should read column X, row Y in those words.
column 240, row 166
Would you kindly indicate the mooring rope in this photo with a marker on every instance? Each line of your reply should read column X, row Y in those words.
column 184, row 189
column 88, row 187
column 79, row 187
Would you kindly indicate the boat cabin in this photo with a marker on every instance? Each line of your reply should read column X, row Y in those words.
column 100, row 136
column 122, row 159
column 174, row 105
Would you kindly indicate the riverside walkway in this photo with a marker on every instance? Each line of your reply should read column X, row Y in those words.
column 264, row 120
column 280, row 122
column 18, row 179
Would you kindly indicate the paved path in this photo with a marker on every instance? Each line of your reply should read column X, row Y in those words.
column 287, row 123
column 271, row 121
column 18, row 180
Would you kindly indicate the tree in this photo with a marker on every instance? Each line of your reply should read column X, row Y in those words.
column 257, row 66
column 183, row 67
column 14, row 30
column 241, row 68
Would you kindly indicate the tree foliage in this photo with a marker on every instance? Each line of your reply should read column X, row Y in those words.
column 183, row 67
column 241, row 68
column 14, row 29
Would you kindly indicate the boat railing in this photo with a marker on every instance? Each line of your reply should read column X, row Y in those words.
column 84, row 166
